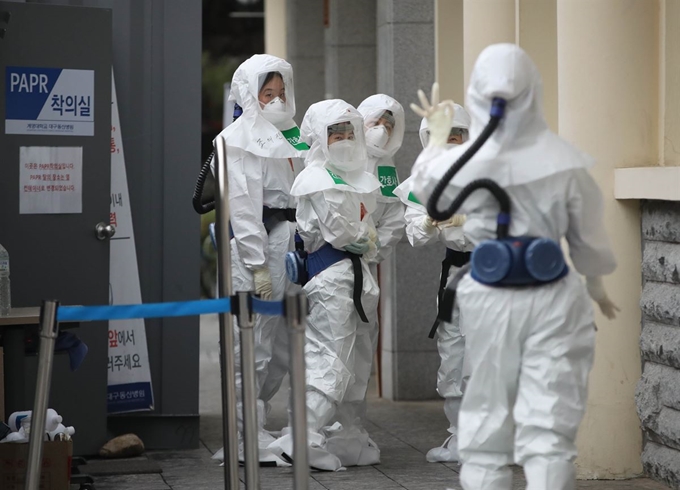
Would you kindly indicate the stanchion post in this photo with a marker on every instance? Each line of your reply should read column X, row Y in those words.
column 249, row 395
column 224, row 288
column 49, row 329
column 296, row 316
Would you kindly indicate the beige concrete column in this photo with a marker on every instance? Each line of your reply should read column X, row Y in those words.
column 486, row 22
column 530, row 23
column 275, row 31
column 449, row 52
column 669, row 140
column 608, row 106
column 537, row 35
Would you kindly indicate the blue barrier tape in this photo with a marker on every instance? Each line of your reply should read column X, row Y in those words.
column 161, row 310
column 269, row 308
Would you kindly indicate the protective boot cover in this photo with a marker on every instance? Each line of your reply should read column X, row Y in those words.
column 265, row 438
column 319, row 457
column 351, row 445
column 446, row 453
column 487, row 477
column 552, row 473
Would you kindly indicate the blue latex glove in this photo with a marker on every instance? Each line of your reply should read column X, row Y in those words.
column 359, row 247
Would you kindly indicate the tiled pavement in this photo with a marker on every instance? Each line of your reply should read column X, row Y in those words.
column 404, row 431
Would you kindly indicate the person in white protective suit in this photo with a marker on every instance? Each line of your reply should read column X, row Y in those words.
column 422, row 230
column 530, row 348
column 263, row 159
column 384, row 131
column 335, row 201
column 384, row 126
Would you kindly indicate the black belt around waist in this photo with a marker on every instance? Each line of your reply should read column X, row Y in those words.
column 273, row 216
column 358, row 285
column 453, row 258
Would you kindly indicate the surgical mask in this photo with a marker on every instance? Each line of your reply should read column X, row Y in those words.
column 377, row 137
column 451, row 145
column 342, row 155
column 275, row 111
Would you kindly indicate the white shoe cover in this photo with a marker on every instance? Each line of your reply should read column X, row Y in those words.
column 266, row 457
column 353, row 447
column 446, row 453
column 319, row 457
column 552, row 473
column 480, row 477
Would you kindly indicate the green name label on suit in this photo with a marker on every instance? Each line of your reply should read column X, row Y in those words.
column 292, row 135
column 388, row 180
column 336, row 178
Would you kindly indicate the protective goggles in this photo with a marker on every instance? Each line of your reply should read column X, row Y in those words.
column 341, row 127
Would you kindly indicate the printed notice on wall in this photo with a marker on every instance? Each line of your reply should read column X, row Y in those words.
column 52, row 101
column 129, row 386
column 50, row 180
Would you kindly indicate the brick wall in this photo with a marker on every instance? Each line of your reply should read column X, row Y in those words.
column 658, row 392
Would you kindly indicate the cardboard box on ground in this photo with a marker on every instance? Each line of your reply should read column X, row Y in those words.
column 56, row 465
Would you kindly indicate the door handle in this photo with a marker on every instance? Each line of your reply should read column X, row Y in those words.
column 104, row 231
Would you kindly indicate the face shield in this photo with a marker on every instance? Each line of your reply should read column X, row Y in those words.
column 275, row 96
column 345, row 148
column 457, row 136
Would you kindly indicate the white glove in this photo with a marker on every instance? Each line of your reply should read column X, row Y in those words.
column 455, row 220
column 439, row 116
column 429, row 225
column 263, row 283
column 599, row 295
column 359, row 247
column 371, row 255
column 373, row 240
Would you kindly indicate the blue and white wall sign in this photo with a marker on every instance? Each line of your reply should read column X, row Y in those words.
column 49, row 101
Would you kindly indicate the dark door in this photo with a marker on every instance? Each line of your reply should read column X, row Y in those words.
column 55, row 92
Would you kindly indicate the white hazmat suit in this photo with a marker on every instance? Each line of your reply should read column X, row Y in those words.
column 381, row 145
column 384, row 126
column 530, row 349
column 263, row 159
column 335, row 199
column 421, row 231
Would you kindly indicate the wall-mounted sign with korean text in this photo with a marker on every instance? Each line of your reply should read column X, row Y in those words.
column 49, row 101
column 50, row 180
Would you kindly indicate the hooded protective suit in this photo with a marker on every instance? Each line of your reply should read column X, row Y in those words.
column 461, row 120
column 335, row 199
column 263, row 159
column 530, row 349
column 451, row 376
column 380, row 112
column 381, row 147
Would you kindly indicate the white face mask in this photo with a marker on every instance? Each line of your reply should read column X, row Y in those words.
column 451, row 145
column 343, row 155
column 275, row 111
column 377, row 137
